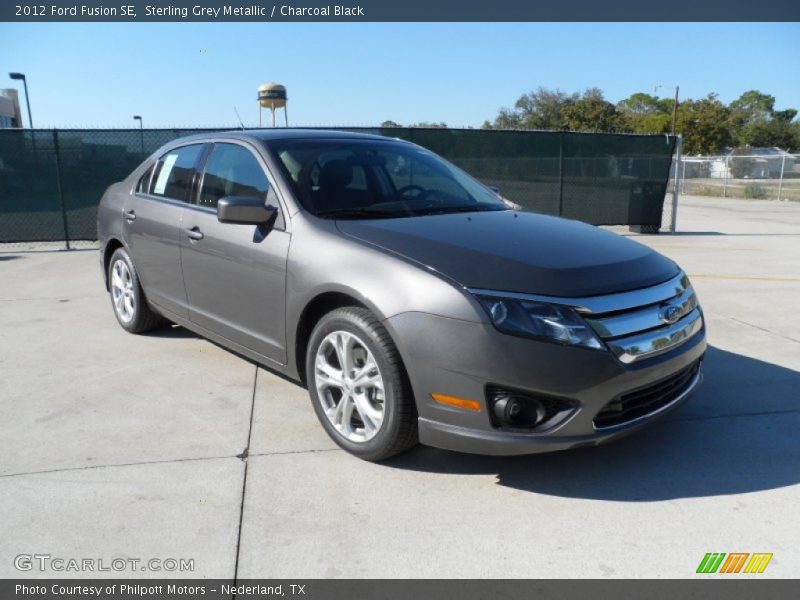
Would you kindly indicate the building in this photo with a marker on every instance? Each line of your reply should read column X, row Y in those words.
column 10, row 115
column 761, row 163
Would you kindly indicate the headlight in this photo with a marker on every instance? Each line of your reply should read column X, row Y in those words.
column 551, row 322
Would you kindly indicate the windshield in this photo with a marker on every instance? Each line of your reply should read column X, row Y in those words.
column 363, row 179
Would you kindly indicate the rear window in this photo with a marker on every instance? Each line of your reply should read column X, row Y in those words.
column 174, row 171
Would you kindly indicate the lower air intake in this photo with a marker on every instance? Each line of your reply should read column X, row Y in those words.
column 647, row 400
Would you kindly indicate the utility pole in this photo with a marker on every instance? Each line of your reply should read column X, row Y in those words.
column 21, row 76
column 674, row 108
column 141, row 131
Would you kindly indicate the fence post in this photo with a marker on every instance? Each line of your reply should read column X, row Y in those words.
column 683, row 173
column 60, row 187
column 727, row 171
column 676, row 188
column 780, row 181
column 561, row 174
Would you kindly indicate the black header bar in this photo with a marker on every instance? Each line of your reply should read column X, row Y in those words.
column 711, row 588
column 404, row 11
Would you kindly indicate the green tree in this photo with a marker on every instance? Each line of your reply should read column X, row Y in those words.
column 753, row 121
column 506, row 119
column 427, row 125
column 539, row 109
column 781, row 131
column 708, row 126
column 644, row 113
column 751, row 107
column 704, row 124
column 554, row 109
column 591, row 112
column 543, row 109
column 390, row 123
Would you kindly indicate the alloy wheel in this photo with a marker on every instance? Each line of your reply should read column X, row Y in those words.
column 122, row 291
column 350, row 386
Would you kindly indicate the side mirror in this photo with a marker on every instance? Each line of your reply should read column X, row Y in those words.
column 244, row 210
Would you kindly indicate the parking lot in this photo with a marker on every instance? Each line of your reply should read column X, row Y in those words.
column 167, row 446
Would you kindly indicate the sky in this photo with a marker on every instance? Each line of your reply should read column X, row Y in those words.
column 194, row 74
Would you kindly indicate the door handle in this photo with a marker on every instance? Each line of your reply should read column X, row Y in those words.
column 194, row 233
column 129, row 215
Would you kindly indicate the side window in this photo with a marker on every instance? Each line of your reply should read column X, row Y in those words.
column 144, row 182
column 173, row 173
column 232, row 170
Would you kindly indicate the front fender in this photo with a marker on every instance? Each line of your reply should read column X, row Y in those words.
column 322, row 260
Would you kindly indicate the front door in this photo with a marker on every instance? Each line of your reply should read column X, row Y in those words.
column 235, row 275
column 152, row 225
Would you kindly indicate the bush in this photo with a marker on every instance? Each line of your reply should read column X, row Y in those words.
column 755, row 191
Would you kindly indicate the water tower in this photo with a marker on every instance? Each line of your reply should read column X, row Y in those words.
column 272, row 96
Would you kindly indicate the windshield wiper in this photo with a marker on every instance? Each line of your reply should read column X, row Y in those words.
column 460, row 209
column 357, row 213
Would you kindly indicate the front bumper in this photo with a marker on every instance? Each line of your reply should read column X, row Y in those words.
column 461, row 358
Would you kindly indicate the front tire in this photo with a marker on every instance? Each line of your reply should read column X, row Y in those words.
column 358, row 385
column 127, row 297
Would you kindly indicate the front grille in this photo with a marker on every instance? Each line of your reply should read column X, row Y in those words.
column 647, row 400
column 640, row 324
column 634, row 325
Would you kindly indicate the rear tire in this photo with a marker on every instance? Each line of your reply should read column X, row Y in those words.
column 366, row 404
column 130, row 305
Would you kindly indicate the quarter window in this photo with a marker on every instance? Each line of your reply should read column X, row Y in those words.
column 144, row 182
column 232, row 170
column 173, row 174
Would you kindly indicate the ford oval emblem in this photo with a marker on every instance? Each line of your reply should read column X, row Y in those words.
column 670, row 314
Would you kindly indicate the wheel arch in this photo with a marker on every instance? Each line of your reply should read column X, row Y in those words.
column 316, row 308
column 112, row 245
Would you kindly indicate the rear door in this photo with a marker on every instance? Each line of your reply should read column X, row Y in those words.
column 152, row 225
column 235, row 275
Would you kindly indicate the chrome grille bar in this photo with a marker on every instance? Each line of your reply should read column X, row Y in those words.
column 646, row 318
column 636, row 324
column 657, row 341
column 608, row 303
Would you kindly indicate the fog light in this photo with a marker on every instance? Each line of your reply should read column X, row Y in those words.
column 518, row 411
column 527, row 411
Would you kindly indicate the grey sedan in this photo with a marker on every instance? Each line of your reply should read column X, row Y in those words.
column 413, row 301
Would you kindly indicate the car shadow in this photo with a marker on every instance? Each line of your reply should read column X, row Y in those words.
column 692, row 233
column 178, row 332
column 738, row 434
column 175, row 332
column 713, row 233
column 667, row 234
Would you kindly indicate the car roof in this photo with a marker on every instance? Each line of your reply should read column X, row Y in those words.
column 285, row 133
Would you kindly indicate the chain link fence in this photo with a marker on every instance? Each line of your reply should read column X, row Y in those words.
column 769, row 174
column 52, row 180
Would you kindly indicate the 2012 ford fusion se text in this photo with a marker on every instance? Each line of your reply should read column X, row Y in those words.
column 413, row 301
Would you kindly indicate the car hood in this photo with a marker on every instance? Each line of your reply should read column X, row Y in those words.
column 518, row 251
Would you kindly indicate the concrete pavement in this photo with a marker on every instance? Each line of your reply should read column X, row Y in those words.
column 120, row 446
